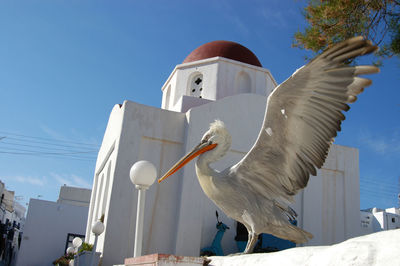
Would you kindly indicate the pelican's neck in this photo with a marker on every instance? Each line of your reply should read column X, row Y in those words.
column 203, row 166
column 206, row 176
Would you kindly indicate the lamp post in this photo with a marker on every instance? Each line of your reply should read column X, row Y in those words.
column 97, row 229
column 70, row 251
column 142, row 174
column 77, row 242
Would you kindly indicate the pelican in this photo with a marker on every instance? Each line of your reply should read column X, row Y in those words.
column 302, row 117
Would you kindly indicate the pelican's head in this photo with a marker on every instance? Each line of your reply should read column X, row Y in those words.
column 217, row 134
column 214, row 144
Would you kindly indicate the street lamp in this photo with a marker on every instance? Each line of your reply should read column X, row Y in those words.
column 77, row 242
column 142, row 174
column 97, row 229
column 70, row 251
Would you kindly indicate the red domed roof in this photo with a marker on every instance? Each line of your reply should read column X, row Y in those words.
column 225, row 49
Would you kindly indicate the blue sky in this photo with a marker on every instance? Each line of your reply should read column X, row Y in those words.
column 65, row 64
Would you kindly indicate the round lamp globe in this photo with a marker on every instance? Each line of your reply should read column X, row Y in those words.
column 77, row 242
column 98, row 228
column 143, row 174
column 70, row 250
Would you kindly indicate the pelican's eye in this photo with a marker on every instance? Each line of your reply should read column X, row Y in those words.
column 205, row 138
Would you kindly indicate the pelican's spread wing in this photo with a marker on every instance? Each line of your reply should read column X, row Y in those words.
column 302, row 117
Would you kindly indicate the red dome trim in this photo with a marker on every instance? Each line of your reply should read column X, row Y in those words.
column 227, row 49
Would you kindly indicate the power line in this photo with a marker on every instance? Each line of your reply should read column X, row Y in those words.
column 45, row 139
column 48, row 143
column 376, row 189
column 49, row 153
column 24, row 145
column 41, row 147
column 378, row 197
column 375, row 181
column 378, row 193
column 51, row 157
column 391, row 183
column 379, row 186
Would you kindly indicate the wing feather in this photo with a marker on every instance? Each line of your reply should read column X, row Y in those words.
column 302, row 117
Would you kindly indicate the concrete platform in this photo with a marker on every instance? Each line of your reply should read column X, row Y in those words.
column 165, row 260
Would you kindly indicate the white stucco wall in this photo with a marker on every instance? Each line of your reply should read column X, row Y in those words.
column 367, row 222
column 329, row 206
column 393, row 210
column 392, row 221
column 135, row 132
column 74, row 196
column 46, row 229
column 385, row 219
column 376, row 220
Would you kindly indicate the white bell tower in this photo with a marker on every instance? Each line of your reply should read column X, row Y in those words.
column 213, row 71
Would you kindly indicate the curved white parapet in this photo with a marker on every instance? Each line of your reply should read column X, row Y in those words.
column 375, row 249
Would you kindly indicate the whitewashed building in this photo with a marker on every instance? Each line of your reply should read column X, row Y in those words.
column 74, row 196
column 11, row 211
column 51, row 226
column 12, row 218
column 16, row 217
column 219, row 80
column 375, row 220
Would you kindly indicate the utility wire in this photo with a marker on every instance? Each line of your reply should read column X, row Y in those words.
column 51, row 157
column 50, row 143
column 379, row 186
column 14, row 144
column 7, row 143
column 45, row 139
column 49, row 153
column 378, row 194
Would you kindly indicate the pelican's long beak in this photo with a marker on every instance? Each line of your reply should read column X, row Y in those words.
column 199, row 149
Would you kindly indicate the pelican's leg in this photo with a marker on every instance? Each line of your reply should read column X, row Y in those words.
column 251, row 243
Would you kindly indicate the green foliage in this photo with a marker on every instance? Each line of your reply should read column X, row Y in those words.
column 64, row 260
column 85, row 247
column 337, row 20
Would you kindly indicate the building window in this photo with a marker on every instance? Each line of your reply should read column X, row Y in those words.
column 196, row 86
column 71, row 237
column 393, row 220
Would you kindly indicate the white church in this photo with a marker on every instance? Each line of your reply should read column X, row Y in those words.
column 218, row 80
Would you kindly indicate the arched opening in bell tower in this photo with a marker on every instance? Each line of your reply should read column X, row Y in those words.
column 243, row 83
column 195, row 88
